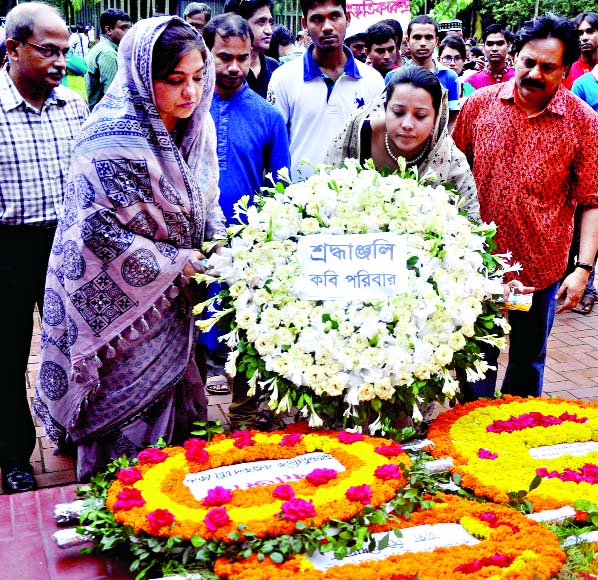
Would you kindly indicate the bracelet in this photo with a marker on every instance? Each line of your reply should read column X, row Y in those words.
column 584, row 266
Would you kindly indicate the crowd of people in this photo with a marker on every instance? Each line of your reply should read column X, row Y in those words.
column 105, row 204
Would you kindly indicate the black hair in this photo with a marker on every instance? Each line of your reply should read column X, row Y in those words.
column 281, row 36
column 110, row 17
column 198, row 8
column 472, row 42
column 246, row 8
column 355, row 38
column 420, row 77
column 396, row 26
column 227, row 26
column 173, row 44
column 476, row 51
column 456, row 43
column 591, row 17
column 379, row 34
column 422, row 19
column 307, row 5
column 497, row 29
column 550, row 26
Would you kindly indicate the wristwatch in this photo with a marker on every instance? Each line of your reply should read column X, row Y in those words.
column 584, row 266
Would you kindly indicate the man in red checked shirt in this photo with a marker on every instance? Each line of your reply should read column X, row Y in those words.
column 526, row 142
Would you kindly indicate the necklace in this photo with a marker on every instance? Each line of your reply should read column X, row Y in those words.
column 412, row 162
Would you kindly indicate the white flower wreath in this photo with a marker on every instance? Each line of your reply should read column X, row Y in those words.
column 359, row 361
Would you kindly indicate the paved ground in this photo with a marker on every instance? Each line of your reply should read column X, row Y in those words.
column 28, row 553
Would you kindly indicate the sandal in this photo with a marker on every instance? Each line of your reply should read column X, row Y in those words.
column 585, row 306
column 219, row 385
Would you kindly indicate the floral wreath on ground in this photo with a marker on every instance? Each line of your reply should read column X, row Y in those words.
column 503, row 551
column 151, row 497
column 500, row 446
column 356, row 361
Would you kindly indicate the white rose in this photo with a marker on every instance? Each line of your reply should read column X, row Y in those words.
column 443, row 355
column 264, row 344
column 383, row 389
column 309, row 226
column 366, row 392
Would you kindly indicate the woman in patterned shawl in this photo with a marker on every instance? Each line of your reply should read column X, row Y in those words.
column 117, row 364
column 379, row 132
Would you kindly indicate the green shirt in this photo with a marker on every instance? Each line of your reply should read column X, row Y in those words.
column 101, row 70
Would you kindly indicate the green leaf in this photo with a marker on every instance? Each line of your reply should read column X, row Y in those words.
column 383, row 543
column 276, row 557
column 583, row 505
column 535, row 483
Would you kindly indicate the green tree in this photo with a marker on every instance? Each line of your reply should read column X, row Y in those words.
column 513, row 13
column 440, row 9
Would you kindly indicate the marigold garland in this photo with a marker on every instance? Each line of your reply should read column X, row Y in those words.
column 155, row 486
column 489, row 441
column 501, row 554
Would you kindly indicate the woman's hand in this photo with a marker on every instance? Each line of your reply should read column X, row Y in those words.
column 196, row 264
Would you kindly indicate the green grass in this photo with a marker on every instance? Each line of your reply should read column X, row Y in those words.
column 77, row 84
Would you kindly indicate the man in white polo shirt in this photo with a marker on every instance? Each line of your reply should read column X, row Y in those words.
column 333, row 85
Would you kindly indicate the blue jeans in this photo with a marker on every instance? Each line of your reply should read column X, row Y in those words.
column 527, row 351
column 574, row 251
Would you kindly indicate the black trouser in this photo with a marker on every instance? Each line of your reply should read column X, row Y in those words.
column 24, row 253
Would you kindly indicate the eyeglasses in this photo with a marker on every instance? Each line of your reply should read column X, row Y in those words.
column 448, row 59
column 48, row 51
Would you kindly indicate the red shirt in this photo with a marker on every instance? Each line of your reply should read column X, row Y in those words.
column 531, row 173
column 578, row 68
column 484, row 78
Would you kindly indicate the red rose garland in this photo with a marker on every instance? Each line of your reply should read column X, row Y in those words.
column 151, row 497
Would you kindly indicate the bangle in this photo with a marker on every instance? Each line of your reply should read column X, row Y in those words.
column 584, row 266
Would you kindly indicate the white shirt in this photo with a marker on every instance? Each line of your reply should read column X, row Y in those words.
column 315, row 113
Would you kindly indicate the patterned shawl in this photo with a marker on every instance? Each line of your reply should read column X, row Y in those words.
column 135, row 206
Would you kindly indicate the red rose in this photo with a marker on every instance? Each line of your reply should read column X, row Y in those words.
column 217, row 496
column 360, row 493
column 216, row 518
column 298, row 509
column 391, row 450
column 244, row 440
column 129, row 476
column 349, row 437
column 284, row 492
column 386, row 472
column 197, row 454
column 159, row 518
column 486, row 454
column 194, row 442
column 321, row 476
column 291, row 439
column 240, row 433
column 128, row 498
column 152, row 455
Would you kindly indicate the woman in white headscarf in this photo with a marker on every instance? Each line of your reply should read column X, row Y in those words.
column 409, row 120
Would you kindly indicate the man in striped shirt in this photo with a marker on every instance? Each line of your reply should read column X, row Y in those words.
column 102, row 58
column 39, row 121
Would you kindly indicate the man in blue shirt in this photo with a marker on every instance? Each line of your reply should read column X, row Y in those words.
column 252, row 142
column 252, row 136
column 422, row 38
